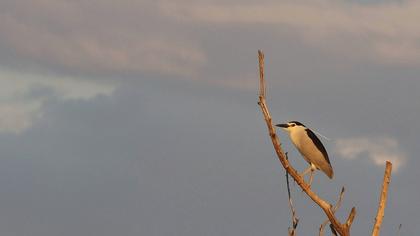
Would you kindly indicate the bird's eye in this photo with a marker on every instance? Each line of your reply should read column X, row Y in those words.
column 293, row 125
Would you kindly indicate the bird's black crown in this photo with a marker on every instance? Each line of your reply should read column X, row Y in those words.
column 297, row 123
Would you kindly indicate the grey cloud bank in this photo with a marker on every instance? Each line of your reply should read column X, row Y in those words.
column 155, row 160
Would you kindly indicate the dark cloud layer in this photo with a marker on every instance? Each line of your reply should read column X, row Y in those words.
column 156, row 161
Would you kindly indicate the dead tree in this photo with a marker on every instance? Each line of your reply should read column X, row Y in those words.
column 337, row 227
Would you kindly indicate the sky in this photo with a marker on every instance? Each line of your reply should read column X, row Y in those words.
column 141, row 117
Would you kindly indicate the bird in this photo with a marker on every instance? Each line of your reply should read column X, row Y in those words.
column 310, row 147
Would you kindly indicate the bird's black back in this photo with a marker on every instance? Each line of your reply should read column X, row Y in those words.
column 318, row 144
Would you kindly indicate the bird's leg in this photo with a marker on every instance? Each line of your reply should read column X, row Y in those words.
column 311, row 177
column 306, row 171
column 312, row 169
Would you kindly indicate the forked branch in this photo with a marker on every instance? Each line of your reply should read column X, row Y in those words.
column 335, row 208
column 337, row 228
column 341, row 229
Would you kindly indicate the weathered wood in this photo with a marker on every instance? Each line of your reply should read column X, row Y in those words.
column 382, row 200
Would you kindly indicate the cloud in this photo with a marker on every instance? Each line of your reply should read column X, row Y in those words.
column 95, row 37
column 378, row 150
column 22, row 96
column 384, row 33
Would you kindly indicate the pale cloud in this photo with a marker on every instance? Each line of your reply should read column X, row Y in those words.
column 383, row 33
column 21, row 103
column 378, row 150
column 86, row 47
column 17, row 116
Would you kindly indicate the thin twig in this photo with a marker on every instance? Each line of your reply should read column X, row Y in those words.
column 295, row 220
column 334, row 209
column 342, row 229
column 382, row 200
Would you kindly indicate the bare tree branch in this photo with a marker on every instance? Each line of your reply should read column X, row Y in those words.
column 342, row 229
column 382, row 200
column 335, row 208
column 350, row 219
column 295, row 220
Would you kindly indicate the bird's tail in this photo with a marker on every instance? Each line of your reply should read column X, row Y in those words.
column 329, row 171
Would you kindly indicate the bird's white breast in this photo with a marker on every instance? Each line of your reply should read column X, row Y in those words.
column 305, row 146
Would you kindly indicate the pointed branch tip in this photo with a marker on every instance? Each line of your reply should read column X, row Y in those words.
column 351, row 217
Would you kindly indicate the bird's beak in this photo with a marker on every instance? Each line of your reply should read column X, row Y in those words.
column 282, row 125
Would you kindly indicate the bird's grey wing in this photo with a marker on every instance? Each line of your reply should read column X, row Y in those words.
column 318, row 144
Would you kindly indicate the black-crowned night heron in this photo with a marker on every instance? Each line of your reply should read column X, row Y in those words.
column 311, row 148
